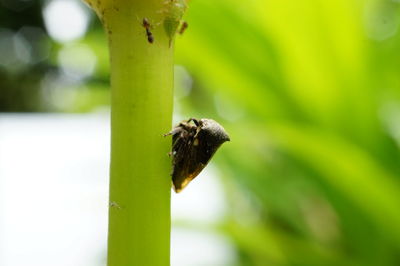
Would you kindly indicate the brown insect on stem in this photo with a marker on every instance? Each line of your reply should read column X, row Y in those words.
column 183, row 27
column 146, row 24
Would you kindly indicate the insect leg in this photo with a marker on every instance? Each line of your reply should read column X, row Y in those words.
column 195, row 121
column 198, row 129
column 173, row 132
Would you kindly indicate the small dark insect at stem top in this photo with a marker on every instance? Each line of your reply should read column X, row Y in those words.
column 183, row 28
column 147, row 26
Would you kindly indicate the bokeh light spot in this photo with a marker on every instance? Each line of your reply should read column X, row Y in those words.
column 65, row 20
column 77, row 61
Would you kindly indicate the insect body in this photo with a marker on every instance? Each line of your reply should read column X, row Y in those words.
column 183, row 27
column 147, row 26
column 193, row 145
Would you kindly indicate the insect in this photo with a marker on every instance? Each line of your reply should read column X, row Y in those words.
column 193, row 145
column 183, row 27
column 113, row 204
column 147, row 26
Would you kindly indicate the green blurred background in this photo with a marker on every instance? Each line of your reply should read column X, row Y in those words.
column 308, row 90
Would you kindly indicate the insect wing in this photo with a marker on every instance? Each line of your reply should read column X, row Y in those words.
column 190, row 157
column 182, row 161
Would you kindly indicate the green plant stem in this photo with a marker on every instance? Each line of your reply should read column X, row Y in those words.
column 141, row 111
